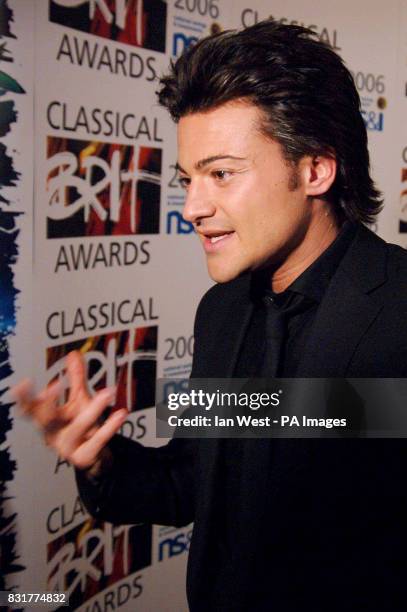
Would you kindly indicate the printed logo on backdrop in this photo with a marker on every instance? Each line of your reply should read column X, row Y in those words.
column 124, row 24
column 96, row 189
column 9, row 258
column 403, row 194
column 173, row 542
column 372, row 89
column 99, row 189
column 194, row 19
column 141, row 23
column 325, row 34
column 125, row 359
column 96, row 562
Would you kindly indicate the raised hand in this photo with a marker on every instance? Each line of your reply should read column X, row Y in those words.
column 72, row 430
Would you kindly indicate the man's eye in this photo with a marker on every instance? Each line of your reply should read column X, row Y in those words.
column 221, row 175
column 184, row 181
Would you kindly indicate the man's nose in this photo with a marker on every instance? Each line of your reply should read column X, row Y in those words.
column 198, row 203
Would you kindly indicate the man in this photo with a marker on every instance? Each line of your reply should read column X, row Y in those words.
column 273, row 157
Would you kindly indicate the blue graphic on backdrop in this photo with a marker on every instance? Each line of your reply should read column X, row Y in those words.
column 8, row 256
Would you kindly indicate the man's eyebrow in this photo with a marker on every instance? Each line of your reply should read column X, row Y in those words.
column 208, row 160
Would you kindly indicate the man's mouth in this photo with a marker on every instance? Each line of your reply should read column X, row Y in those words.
column 215, row 240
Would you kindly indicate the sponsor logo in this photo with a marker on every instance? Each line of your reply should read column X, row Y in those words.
column 140, row 23
column 173, row 542
column 174, row 386
column 371, row 88
column 374, row 121
column 177, row 225
column 98, row 188
column 181, row 42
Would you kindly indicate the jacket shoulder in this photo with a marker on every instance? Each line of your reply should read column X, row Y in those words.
column 397, row 260
column 373, row 263
column 396, row 268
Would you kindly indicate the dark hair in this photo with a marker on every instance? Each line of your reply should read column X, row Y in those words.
column 308, row 98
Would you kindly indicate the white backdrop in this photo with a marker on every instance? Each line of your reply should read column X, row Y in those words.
column 105, row 262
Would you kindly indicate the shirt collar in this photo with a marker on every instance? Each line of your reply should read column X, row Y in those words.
column 313, row 282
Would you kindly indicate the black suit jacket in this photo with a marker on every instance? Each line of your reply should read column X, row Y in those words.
column 321, row 522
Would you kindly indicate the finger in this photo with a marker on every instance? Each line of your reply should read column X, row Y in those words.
column 32, row 405
column 91, row 431
column 22, row 392
column 73, row 434
column 43, row 409
column 76, row 371
column 85, row 455
column 50, row 391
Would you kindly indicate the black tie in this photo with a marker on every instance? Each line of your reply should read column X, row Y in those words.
column 279, row 308
column 275, row 331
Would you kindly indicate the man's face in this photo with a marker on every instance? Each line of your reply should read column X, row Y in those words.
column 240, row 193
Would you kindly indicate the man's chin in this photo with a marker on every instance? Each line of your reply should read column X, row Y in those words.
column 223, row 274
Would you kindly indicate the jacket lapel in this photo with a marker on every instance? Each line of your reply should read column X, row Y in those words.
column 227, row 336
column 226, row 340
column 347, row 310
column 236, row 330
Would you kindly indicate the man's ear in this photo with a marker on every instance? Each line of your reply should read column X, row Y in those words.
column 318, row 174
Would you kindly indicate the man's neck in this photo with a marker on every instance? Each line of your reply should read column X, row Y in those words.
column 322, row 231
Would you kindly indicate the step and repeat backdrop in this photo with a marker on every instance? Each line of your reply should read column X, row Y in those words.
column 95, row 255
